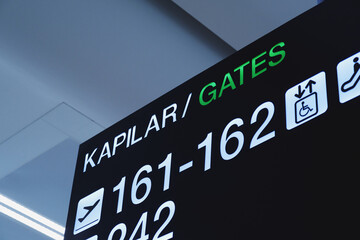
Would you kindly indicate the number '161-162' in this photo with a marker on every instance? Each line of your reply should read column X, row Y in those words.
column 145, row 182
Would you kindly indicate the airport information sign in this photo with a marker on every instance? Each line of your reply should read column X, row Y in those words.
column 263, row 145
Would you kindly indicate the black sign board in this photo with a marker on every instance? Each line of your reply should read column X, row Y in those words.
column 263, row 145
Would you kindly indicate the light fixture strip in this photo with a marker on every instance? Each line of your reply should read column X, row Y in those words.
column 30, row 223
column 31, row 214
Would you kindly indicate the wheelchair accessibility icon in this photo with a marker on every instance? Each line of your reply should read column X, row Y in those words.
column 306, row 100
column 306, row 108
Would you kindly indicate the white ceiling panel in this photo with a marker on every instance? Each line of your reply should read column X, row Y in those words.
column 42, row 185
column 22, row 98
column 240, row 22
column 61, row 123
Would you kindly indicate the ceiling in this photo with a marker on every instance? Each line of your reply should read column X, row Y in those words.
column 69, row 69
column 239, row 23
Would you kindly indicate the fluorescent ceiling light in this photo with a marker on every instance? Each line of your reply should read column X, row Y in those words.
column 31, row 218
column 30, row 223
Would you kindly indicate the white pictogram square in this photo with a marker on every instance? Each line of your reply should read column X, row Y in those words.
column 348, row 72
column 88, row 212
column 306, row 100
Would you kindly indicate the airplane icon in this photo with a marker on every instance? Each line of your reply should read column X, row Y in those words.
column 89, row 208
column 88, row 212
